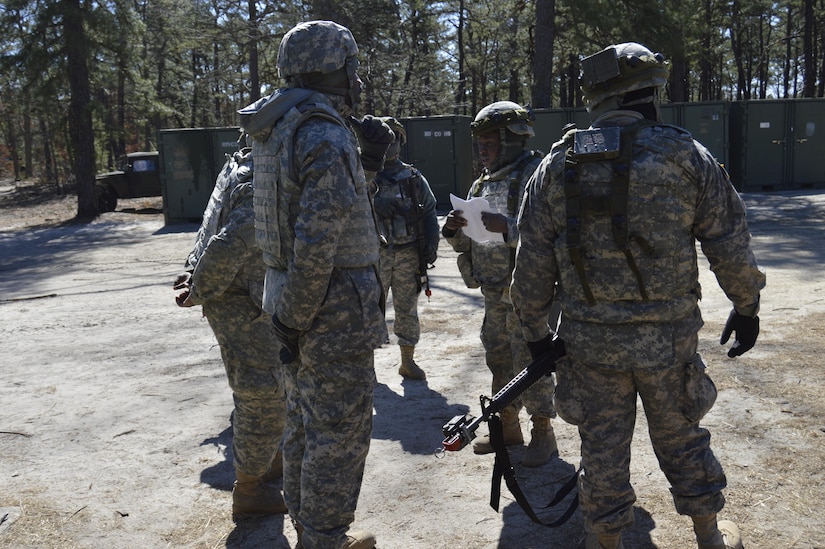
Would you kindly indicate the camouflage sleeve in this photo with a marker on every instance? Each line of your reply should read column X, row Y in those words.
column 535, row 274
column 722, row 230
column 429, row 213
column 512, row 222
column 228, row 251
column 325, row 154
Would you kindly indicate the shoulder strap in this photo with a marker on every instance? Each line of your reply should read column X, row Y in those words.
column 617, row 205
column 305, row 115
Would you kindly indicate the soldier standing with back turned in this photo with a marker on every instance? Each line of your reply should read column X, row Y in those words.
column 225, row 274
column 613, row 215
column 405, row 206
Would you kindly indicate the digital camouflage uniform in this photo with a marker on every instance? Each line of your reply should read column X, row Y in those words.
column 315, row 225
column 620, row 345
column 506, row 351
column 403, row 197
column 227, row 274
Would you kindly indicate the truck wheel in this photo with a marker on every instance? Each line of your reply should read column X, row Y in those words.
column 106, row 198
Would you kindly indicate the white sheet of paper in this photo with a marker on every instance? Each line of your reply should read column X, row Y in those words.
column 472, row 213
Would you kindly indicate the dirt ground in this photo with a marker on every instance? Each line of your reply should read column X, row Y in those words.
column 115, row 413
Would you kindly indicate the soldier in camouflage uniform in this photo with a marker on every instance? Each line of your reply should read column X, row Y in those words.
column 225, row 274
column 612, row 215
column 315, row 225
column 405, row 206
column 501, row 130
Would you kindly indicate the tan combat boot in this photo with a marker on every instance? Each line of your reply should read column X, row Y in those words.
column 409, row 369
column 276, row 468
column 251, row 496
column 511, row 429
column 603, row 541
column 542, row 445
column 359, row 539
column 713, row 535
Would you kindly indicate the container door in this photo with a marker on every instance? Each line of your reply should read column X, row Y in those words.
column 708, row 123
column 440, row 147
column 548, row 126
column 186, row 174
column 808, row 133
column 765, row 145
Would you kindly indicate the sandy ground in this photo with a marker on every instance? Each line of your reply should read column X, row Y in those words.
column 115, row 414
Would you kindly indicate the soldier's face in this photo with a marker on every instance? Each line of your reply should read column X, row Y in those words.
column 489, row 145
column 357, row 87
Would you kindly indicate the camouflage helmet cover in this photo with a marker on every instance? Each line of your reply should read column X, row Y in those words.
column 315, row 47
column 397, row 127
column 504, row 114
column 619, row 69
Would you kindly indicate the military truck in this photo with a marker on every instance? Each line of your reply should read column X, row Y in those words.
column 137, row 175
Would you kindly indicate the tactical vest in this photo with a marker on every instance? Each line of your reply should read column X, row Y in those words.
column 400, row 229
column 514, row 170
column 236, row 170
column 628, row 229
column 278, row 194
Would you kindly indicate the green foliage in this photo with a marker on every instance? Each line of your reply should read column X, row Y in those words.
column 172, row 63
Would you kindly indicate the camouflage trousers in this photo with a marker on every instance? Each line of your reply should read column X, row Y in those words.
column 326, row 441
column 601, row 400
column 399, row 268
column 248, row 343
column 507, row 354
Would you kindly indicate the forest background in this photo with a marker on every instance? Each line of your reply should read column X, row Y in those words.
column 83, row 82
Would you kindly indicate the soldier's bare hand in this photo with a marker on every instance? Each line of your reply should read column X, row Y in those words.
column 184, row 299
column 494, row 222
column 455, row 221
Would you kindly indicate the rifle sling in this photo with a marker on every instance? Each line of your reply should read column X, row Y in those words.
column 503, row 468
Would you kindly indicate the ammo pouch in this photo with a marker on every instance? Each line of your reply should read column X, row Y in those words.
column 465, row 267
column 699, row 393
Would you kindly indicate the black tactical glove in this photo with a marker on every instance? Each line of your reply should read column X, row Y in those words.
column 541, row 347
column 747, row 330
column 288, row 338
column 374, row 138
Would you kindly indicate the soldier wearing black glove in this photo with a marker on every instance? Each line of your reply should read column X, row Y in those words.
column 288, row 338
column 374, row 138
column 747, row 330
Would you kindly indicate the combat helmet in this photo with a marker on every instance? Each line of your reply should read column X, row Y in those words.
column 514, row 124
column 504, row 114
column 623, row 75
column 320, row 55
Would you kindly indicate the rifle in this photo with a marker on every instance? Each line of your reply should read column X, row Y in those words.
column 418, row 228
column 461, row 430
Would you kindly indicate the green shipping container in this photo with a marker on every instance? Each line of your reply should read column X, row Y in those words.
column 759, row 145
column 441, row 148
column 548, row 126
column 190, row 160
column 807, row 135
column 708, row 124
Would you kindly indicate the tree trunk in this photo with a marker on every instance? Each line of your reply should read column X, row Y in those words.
column 808, row 53
column 542, row 92
column 254, row 81
column 461, row 88
column 81, row 131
